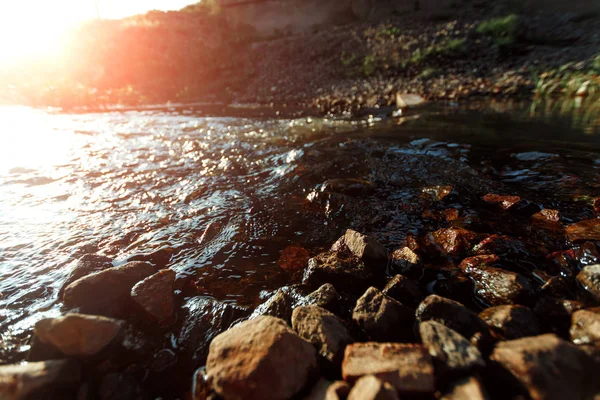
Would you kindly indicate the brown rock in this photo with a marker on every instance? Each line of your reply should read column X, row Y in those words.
column 403, row 290
column 438, row 193
column 454, row 241
column 406, row 262
column 466, row 389
column 585, row 327
column 325, row 297
column 597, row 204
column 383, row 318
column 319, row 390
column 407, row 367
column 86, row 265
column 484, row 261
column 293, row 258
column 279, row 305
column 78, row 334
column 260, row 359
column 341, row 268
column 155, row 295
column 511, row 321
column 505, row 202
column 589, row 278
column 551, row 216
column 370, row 388
column 584, row 230
column 496, row 286
column 555, row 314
column 499, row 244
column 365, row 248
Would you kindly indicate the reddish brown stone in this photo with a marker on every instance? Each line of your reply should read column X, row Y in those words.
column 584, row 230
column 506, row 202
column 454, row 241
column 293, row 258
column 496, row 286
column 478, row 262
column 547, row 215
column 155, row 295
column 511, row 321
column 451, row 214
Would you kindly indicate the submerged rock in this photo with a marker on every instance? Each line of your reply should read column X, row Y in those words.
column 585, row 327
column 325, row 297
column 406, row 262
column 511, row 321
column 469, row 388
column 584, row 230
column 370, row 388
column 407, row 367
column 496, row 286
column 342, row 269
column 86, row 265
column 260, row 359
column 383, row 318
column 403, row 290
column 589, row 278
column 155, row 296
column 454, row 241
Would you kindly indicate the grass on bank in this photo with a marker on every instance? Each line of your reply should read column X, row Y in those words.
column 502, row 30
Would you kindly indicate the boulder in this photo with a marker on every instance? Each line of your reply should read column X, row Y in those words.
column 78, row 335
column 39, row 380
column 106, row 292
column 451, row 352
column 496, row 286
column 403, row 290
column 406, row 262
column 469, row 388
column 341, row 268
column 383, row 318
column 155, row 296
column 407, row 367
column 511, row 321
column 543, row 367
column 585, row 327
column 260, row 359
column 454, row 241
column 370, row 388
column 86, row 265
column 279, row 305
column 366, row 248
column 325, row 297
column 589, row 278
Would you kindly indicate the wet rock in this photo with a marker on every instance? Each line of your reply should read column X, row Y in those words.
column 496, row 286
column 587, row 254
column 351, row 187
column 155, row 296
column 325, row 297
column 370, row 388
column 39, row 379
column 456, row 287
column 499, row 245
column 511, row 321
column 454, row 241
column 78, row 334
column 279, row 305
column 555, row 314
column 505, row 202
column 205, row 319
column 585, row 327
column 338, row 390
column 547, row 216
column 406, row 262
column 324, row 330
column 469, row 388
column 544, row 367
column 260, row 359
column 453, row 315
column 589, row 278
column 345, row 270
column 383, row 318
column 484, row 261
column 119, row 386
column 86, row 265
column 365, row 248
column 584, row 230
column 403, row 290
column 451, row 352
column 159, row 258
column 293, row 258
column 407, row 367
column 106, row 292
column 438, row 193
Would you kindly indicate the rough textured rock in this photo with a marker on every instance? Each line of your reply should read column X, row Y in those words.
column 33, row 380
column 78, row 334
column 370, row 388
column 584, row 230
column 545, row 367
column 341, row 268
column 496, row 286
column 279, row 305
column 364, row 247
column 466, row 389
column 260, row 359
column 106, row 292
column 155, row 295
column 585, row 327
column 406, row 262
column 325, row 297
column 383, row 318
column 407, row 367
column 324, row 330
column 404, row 290
column 86, row 265
column 453, row 315
column 511, row 321
column 454, row 241
column 589, row 278
column 451, row 352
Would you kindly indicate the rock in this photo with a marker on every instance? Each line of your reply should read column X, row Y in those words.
column 452, row 353
column 454, row 241
column 585, row 327
column 319, row 390
column 325, row 297
column 382, row 318
column 119, row 386
column 438, row 193
column 155, row 296
column 338, row 390
column 293, row 258
column 505, row 202
column 407, row 367
column 260, row 359
column 345, row 270
column 545, row 367
column 324, row 330
column 555, row 314
column 279, row 305
column 365, row 248
column 78, row 334
column 484, row 261
column 106, row 292
column 205, row 319
column 596, row 204
column 370, row 388
column 466, row 389
column 350, row 186
column 511, row 321
column 584, row 230
column 587, row 254
column 403, row 290
column 589, row 278
column 86, row 265
column 547, row 216
column 453, row 315
column 39, row 379
column 496, row 286
column 499, row 245
column 406, row 262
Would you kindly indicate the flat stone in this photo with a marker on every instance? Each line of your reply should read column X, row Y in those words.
column 341, row 268
column 365, row 248
column 407, row 367
column 370, row 388
column 106, row 292
column 406, row 262
column 324, row 330
column 78, row 334
column 585, row 327
column 589, row 278
column 325, row 297
column 454, row 241
column 383, row 318
column 545, row 367
column 260, row 359
column 584, row 230
column 86, row 265
column 496, row 286
column 155, row 296
column 511, row 321
column 403, row 290
column 451, row 352
column 469, row 388
column 34, row 380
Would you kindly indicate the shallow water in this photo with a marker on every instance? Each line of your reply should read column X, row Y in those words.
column 219, row 198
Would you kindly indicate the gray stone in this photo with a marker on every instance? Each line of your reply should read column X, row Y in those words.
column 370, row 388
